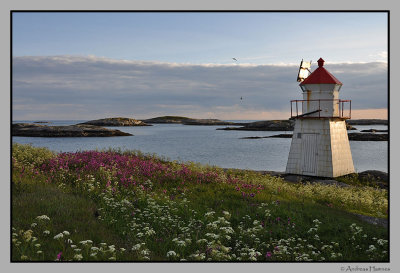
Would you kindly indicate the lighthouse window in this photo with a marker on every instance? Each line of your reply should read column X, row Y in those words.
column 298, row 135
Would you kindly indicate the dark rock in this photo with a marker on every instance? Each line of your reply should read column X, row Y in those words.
column 368, row 137
column 367, row 121
column 274, row 136
column 115, row 122
column 281, row 136
column 374, row 131
column 375, row 175
column 41, row 122
column 352, row 137
column 37, row 130
column 252, row 137
column 349, row 127
column 373, row 220
column 265, row 125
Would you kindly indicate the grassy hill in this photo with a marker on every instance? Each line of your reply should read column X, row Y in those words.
column 126, row 206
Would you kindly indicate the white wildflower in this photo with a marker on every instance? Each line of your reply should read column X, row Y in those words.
column 78, row 257
column 58, row 236
column 43, row 217
column 171, row 253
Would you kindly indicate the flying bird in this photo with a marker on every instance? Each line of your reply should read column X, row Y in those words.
column 234, row 59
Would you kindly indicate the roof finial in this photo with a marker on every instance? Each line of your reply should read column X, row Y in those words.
column 321, row 62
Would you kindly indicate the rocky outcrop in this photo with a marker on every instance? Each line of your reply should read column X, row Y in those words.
column 188, row 121
column 374, row 131
column 277, row 136
column 368, row 137
column 265, row 125
column 352, row 136
column 367, row 121
column 375, row 176
column 270, row 125
column 38, row 130
column 115, row 122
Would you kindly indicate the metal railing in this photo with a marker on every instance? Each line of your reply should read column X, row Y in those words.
column 341, row 111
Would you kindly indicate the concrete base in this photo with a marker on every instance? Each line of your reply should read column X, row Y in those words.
column 320, row 147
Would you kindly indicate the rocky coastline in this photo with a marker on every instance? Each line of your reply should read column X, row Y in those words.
column 79, row 130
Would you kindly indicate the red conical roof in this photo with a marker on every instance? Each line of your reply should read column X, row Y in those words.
column 320, row 75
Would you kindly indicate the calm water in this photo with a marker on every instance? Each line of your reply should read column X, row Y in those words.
column 206, row 145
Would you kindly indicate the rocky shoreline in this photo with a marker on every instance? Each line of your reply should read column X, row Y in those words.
column 38, row 130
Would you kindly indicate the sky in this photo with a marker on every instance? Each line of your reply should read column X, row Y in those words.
column 70, row 65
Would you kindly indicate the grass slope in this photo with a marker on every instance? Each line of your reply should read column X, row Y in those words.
column 114, row 205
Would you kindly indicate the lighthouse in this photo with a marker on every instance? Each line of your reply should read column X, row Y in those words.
column 320, row 144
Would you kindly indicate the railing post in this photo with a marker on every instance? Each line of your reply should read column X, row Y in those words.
column 342, row 108
column 297, row 110
column 350, row 109
column 291, row 112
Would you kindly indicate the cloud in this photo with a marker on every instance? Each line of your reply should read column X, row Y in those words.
column 86, row 87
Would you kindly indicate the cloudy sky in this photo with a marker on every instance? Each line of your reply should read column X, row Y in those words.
column 142, row 65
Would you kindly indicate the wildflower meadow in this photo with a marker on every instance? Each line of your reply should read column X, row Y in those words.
column 127, row 206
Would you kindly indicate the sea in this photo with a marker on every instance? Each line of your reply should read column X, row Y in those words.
column 206, row 145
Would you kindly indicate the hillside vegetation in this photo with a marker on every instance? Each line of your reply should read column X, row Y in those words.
column 127, row 206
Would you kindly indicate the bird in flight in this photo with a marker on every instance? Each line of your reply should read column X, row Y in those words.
column 234, row 59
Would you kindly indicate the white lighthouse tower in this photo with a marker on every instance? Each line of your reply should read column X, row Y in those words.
column 320, row 145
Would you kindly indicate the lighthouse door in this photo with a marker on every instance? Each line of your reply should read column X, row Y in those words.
column 309, row 154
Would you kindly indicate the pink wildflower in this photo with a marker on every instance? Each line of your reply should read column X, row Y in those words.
column 59, row 256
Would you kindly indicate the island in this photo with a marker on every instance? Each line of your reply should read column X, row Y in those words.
column 118, row 121
column 270, row 125
column 367, row 121
column 38, row 130
column 265, row 125
column 188, row 121
column 352, row 137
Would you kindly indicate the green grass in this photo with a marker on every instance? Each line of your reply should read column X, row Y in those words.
column 180, row 217
column 68, row 212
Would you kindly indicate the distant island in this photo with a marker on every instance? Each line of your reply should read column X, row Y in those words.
column 94, row 128
column 288, row 125
column 188, row 121
column 367, row 121
column 352, row 137
column 38, row 130
column 118, row 121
